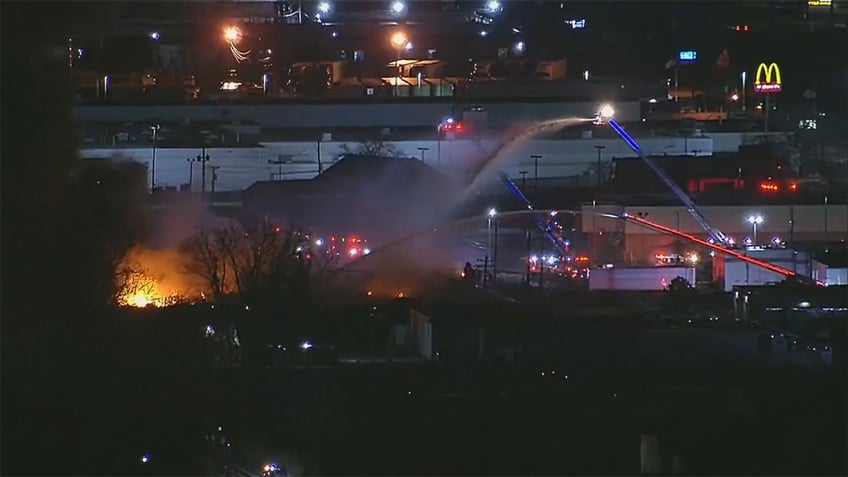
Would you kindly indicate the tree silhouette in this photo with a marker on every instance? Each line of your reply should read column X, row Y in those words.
column 680, row 297
column 371, row 148
column 255, row 262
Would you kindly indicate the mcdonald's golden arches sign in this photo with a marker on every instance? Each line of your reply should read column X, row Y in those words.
column 768, row 79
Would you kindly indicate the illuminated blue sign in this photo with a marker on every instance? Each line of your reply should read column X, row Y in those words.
column 688, row 56
column 576, row 24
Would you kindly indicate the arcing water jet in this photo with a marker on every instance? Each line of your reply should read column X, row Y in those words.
column 507, row 149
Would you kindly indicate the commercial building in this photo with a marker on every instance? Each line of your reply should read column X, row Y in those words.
column 820, row 226
column 244, row 153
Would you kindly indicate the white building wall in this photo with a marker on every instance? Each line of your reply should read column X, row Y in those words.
column 738, row 273
column 837, row 276
column 238, row 168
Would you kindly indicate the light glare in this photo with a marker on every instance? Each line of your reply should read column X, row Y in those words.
column 398, row 6
column 232, row 34
column 606, row 111
column 399, row 40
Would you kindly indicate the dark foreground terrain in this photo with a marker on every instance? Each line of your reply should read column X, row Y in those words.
column 583, row 412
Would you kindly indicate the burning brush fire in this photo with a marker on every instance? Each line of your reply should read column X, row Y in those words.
column 153, row 278
column 147, row 294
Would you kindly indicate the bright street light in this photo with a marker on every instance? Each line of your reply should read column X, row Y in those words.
column 399, row 40
column 398, row 7
column 232, row 34
column 755, row 220
column 324, row 7
column 493, row 6
column 154, row 35
column 492, row 243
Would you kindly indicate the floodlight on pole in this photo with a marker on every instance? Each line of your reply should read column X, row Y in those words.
column 755, row 220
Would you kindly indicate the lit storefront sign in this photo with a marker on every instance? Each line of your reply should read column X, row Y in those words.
column 819, row 3
column 687, row 56
column 768, row 79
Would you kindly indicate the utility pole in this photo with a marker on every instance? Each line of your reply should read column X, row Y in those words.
column 528, row 238
column 203, row 158
column 191, row 162
column 526, row 231
column 791, row 224
column 495, row 255
column 826, row 238
column 599, row 149
column 155, row 130
column 541, row 261
column 594, row 231
column 320, row 164
column 279, row 163
column 536, row 158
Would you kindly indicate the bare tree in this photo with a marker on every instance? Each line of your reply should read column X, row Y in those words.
column 131, row 279
column 256, row 261
column 252, row 252
column 371, row 148
column 205, row 259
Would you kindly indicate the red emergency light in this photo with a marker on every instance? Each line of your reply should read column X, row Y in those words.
column 773, row 187
column 451, row 125
column 769, row 186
